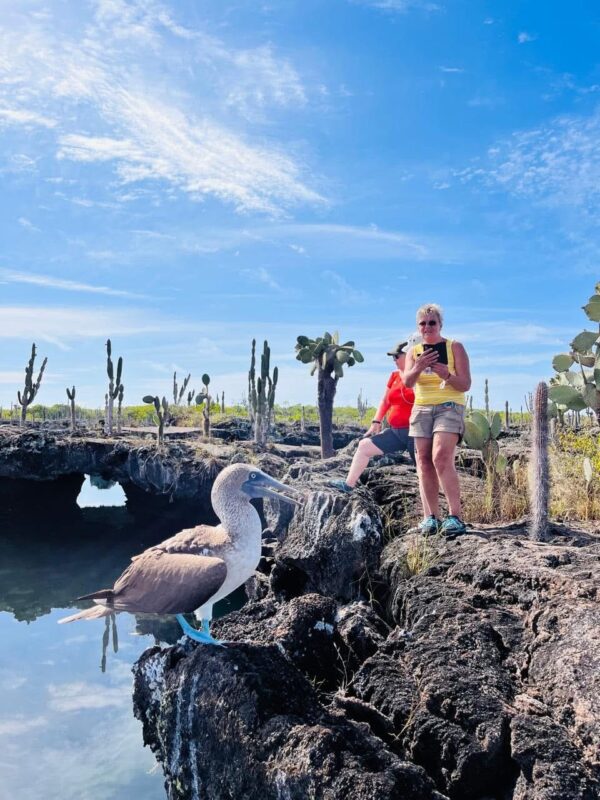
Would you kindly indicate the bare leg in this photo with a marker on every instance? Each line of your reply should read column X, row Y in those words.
column 364, row 453
column 444, row 446
column 429, row 487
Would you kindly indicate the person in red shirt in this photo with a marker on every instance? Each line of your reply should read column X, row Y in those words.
column 397, row 403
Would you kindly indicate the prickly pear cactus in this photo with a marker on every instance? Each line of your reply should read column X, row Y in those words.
column 539, row 473
column 328, row 357
column 576, row 384
column 162, row 412
column 481, row 434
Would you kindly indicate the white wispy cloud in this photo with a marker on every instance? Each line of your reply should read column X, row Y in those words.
column 342, row 290
column 557, row 164
column 104, row 109
column 28, row 225
column 21, row 116
column 451, row 69
column 63, row 324
column 11, row 378
column 49, row 282
column 355, row 239
column 262, row 275
column 16, row 726
column 524, row 37
column 400, row 6
column 79, row 695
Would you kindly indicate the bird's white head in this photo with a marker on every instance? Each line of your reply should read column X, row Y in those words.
column 247, row 480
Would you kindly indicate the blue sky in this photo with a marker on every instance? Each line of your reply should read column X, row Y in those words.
column 185, row 176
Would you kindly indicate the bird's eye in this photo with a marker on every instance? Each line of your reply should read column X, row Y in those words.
column 252, row 476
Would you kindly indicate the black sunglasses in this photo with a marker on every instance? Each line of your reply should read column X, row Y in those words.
column 430, row 322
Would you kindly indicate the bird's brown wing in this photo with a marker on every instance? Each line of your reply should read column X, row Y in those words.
column 202, row 540
column 168, row 583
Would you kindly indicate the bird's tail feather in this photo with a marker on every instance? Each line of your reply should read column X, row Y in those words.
column 90, row 613
column 101, row 594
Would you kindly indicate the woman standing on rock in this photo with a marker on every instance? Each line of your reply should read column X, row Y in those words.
column 439, row 370
column 397, row 403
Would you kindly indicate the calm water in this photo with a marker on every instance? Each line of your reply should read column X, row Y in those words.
column 67, row 730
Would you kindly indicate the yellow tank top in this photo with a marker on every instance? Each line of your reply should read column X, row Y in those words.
column 427, row 387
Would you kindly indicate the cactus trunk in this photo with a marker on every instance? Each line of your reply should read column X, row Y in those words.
column 539, row 478
column 261, row 394
column 326, row 388
column 30, row 389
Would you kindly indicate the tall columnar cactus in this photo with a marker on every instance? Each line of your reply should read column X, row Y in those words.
column 120, row 408
column 204, row 398
column 31, row 388
column 574, row 390
column 71, row 396
column 178, row 393
column 113, row 385
column 506, row 416
column 328, row 358
column 486, row 398
column 222, row 402
column 261, row 393
column 162, row 412
column 362, row 405
column 190, row 397
column 539, row 472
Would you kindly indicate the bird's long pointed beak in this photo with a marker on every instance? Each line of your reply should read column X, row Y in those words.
column 266, row 486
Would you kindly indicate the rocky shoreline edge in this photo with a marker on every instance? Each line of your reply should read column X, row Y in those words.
column 352, row 674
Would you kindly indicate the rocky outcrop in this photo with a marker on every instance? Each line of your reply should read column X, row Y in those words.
column 480, row 667
column 176, row 470
column 465, row 669
column 493, row 667
column 243, row 722
column 332, row 545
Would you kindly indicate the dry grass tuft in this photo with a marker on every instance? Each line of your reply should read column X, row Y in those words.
column 571, row 496
column 420, row 554
column 503, row 497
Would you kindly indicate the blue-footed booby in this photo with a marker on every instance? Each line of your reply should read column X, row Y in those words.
column 197, row 567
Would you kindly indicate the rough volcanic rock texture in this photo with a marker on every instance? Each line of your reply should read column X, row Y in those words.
column 302, row 629
column 332, row 544
column 174, row 470
column 491, row 678
column 243, row 723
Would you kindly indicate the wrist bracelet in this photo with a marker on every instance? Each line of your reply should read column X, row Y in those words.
column 376, row 422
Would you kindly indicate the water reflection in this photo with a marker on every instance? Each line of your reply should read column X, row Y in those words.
column 97, row 492
column 66, row 727
column 51, row 553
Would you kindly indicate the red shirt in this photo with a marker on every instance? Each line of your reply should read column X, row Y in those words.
column 398, row 400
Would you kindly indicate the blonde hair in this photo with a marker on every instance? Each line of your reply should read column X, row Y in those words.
column 431, row 308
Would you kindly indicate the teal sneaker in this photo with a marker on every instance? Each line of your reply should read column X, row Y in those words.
column 429, row 526
column 453, row 526
column 341, row 486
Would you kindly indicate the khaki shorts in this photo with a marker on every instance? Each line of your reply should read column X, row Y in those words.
column 444, row 417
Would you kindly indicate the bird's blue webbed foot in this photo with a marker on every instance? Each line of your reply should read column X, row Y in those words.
column 203, row 635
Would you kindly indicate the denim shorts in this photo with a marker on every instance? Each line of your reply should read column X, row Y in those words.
column 394, row 440
column 441, row 418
